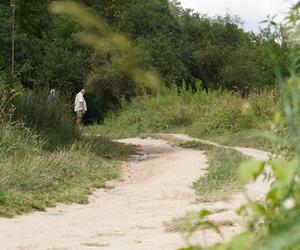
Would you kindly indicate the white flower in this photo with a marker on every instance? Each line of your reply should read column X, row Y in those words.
column 289, row 203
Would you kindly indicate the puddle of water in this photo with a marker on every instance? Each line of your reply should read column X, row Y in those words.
column 144, row 157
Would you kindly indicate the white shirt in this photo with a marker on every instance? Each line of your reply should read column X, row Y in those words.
column 80, row 104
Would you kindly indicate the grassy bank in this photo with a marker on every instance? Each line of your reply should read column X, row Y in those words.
column 43, row 158
column 33, row 178
column 222, row 173
column 222, row 176
column 217, row 115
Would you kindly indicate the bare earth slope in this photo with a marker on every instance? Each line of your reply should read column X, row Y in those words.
column 155, row 188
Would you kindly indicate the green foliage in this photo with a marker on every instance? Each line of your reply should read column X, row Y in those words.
column 32, row 178
column 201, row 222
column 274, row 221
column 204, row 115
column 223, row 168
column 7, row 96
column 162, row 37
column 222, row 176
column 52, row 120
column 250, row 170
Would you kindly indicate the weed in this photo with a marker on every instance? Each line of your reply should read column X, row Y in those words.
column 186, row 223
column 182, row 224
column 222, row 175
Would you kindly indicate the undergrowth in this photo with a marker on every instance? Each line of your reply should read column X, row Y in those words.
column 217, row 115
column 222, row 176
column 36, row 171
column 32, row 178
column 54, row 121
column 186, row 223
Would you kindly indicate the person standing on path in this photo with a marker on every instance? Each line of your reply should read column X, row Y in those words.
column 80, row 107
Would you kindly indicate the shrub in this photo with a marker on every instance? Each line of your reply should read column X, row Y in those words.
column 52, row 120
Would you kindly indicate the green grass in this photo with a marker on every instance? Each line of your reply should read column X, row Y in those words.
column 43, row 158
column 104, row 147
column 54, row 121
column 186, row 223
column 196, row 145
column 32, row 178
column 217, row 115
column 182, row 224
column 221, row 178
column 254, row 138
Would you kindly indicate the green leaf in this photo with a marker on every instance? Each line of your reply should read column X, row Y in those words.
column 213, row 226
column 241, row 241
column 277, row 193
column 204, row 213
column 250, row 170
column 287, row 237
column 258, row 209
column 284, row 170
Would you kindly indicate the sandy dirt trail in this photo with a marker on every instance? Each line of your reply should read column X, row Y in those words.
column 156, row 187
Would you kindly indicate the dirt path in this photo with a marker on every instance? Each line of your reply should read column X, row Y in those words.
column 250, row 152
column 253, row 191
column 155, row 188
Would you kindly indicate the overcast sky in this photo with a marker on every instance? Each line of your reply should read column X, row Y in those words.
column 252, row 12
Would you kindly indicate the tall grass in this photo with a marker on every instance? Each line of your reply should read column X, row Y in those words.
column 34, row 177
column 218, row 115
column 54, row 121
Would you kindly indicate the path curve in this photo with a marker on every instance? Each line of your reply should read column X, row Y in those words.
column 128, row 217
column 155, row 188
